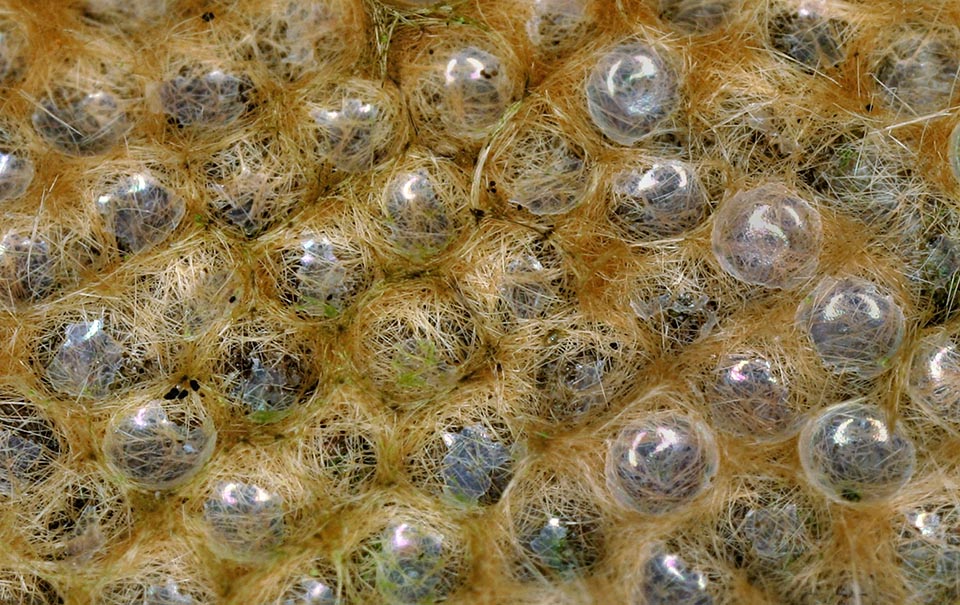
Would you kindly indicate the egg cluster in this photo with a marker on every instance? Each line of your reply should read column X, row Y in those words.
column 484, row 302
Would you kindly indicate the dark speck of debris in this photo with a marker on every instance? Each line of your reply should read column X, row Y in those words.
column 207, row 17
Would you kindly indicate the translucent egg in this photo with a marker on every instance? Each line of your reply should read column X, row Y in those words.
column 477, row 90
column 850, row 453
column 562, row 545
column 79, row 521
column 155, row 591
column 87, row 362
column 681, row 311
column 329, row 275
column 749, row 397
column 80, row 122
column 855, row 326
column 167, row 593
column 807, row 37
column 557, row 532
column 669, row 580
column 205, row 98
column 556, row 26
column 13, row 43
column 413, row 343
column 359, row 126
column 294, row 38
column 246, row 187
column 458, row 81
column 582, row 371
column 197, row 289
column 772, row 527
column 867, row 178
column 266, row 389
column 581, row 377
column 345, row 455
column 416, row 216
column 140, row 212
column 160, row 446
column 475, row 468
column 26, row 269
column 245, row 521
column 552, row 177
column 929, row 553
column 526, row 291
column 422, row 363
column 166, row 580
column 630, row 91
column 774, row 533
column 937, row 272
column 664, row 201
column 309, row 591
column 16, row 174
column 29, row 445
column 934, row 380
column 414, row 564
column 768, row 236
column 661, row 463
column 918, row 72
column 695, row 15
column 511, row 275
